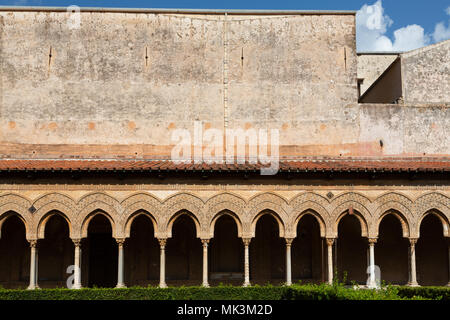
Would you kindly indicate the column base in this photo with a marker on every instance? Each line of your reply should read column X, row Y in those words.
column 120, row 285
column 31, row 287
column 77, row 286
column 413, row 284
column 205, row 285
column 448, row 284
column 163, row 285
column 246, row 284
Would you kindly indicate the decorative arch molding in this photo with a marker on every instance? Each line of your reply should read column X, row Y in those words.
column 224, row 202
column 342, row 210
column 444, row 220
column 99, row 197
column 141, row 202
column 91, row 211
column 220, row 214
column 176, row 215
column 181, row 202
column 434, row 203
column 16, row 199
column 353, row 197
column 427, row 201
column 15, row 204
column 396, row 210
column 309, row 197
column 274, row 214
column 55, row 197
column 141, row 197
column 308, row 208
column 268, row 201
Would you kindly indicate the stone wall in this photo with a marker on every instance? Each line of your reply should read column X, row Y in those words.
column 426, row 74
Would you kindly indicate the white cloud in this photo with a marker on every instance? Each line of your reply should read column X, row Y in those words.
column 410, row 38
column 441, row 32
column 371, row 28
column 371, row 25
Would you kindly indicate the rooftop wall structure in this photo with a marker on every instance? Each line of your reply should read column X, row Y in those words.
column 119, row 85
column 371, row 66
column 426, row 74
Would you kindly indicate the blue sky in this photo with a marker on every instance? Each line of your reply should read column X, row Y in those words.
column 420, row 22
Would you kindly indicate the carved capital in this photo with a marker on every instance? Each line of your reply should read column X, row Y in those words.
column 77, row 242
column 372, row 241
column 413, row 241
column 120, row 241
column 330, row 241
column 162, row 243
column 33, row 243
column 289, row 241
column 246, row 241
column 205, row 242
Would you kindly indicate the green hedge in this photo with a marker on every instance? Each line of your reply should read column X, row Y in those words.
column 435, row 293
column 295, row 292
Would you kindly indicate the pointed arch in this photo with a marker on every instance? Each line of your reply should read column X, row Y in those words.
column 42, row 222
column 225, row 213
column 362, row 221
column 271, row 203
column 312, row 212
column 10, row 211
column 401, row 218
column 274, row 215
column 12, row 203
column 97, row 209
column 183, row 203
column 178, row 214
column 130, row 218
column 438, row 214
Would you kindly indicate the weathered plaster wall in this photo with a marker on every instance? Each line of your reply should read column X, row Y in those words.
column 119, row 85
column 371, row 66
column 430, row 66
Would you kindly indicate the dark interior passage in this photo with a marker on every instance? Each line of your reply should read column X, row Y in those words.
column 141, row 256
column 14, row 254
column 306, row 251
column 391, row 251
column 351, row 251
column 184, row 260
column 267, row 253
column 432, row 253
column 56, row 253
column 226, row 253
column 100, row 249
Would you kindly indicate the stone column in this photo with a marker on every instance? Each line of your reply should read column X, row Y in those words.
column 120, row 269
column 77, row 263
column 33, row 265
column 162, row 264
column 412, row 258
column 372, row 280
column 288, row 261
column 330, row 242
column 205, row 262
column 246, row 262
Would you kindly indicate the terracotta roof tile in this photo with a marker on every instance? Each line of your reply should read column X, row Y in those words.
column 412, row 164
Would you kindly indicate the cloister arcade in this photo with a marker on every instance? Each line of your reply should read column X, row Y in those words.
column 188, row 240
